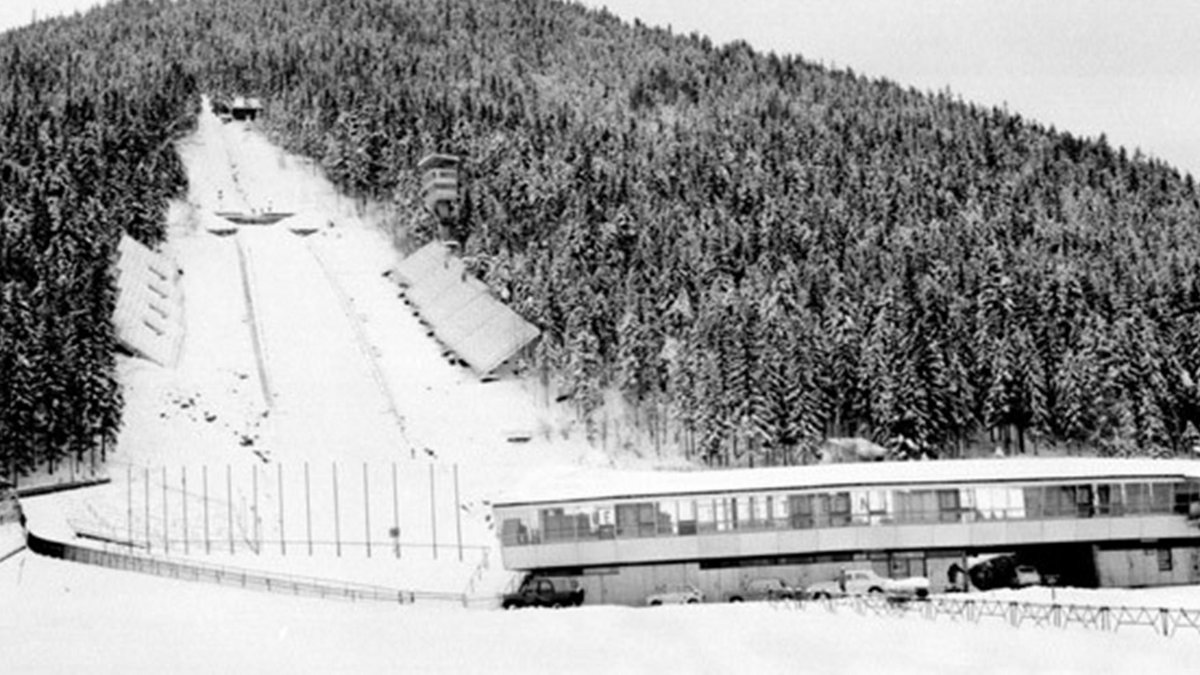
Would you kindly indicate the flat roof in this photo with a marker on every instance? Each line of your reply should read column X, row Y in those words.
column 577, row 485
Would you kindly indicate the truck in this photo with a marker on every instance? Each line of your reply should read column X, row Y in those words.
column 868, row 582
column 543, row 591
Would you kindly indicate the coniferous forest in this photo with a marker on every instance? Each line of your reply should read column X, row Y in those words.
column 757, row 251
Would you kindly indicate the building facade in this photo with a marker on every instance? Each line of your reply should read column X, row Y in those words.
column 1081, row 522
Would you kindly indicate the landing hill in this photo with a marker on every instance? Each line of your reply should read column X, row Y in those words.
column 750, row 251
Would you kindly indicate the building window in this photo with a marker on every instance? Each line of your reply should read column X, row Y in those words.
column 1083, row 501
column 840, row 509
column 1137, row 497
column 639, row 519
column 800, row 509
column 687, row 517
column 1160, row 497
column 1108, row 499
column 948, row 505
column 706, row 515
column 1164, row 560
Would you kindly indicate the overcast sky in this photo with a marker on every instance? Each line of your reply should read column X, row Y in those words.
column 1127, row 68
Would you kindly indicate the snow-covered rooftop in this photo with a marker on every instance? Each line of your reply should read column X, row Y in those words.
column 580, row 484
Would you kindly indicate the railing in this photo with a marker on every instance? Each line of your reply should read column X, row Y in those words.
column 291, row 547
column 238, row 577
column 1162, row 620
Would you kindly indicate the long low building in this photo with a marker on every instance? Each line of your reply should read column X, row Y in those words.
column 1080, row 521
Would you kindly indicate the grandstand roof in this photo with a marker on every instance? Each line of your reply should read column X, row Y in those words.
column 461, row 310
column 148, row 316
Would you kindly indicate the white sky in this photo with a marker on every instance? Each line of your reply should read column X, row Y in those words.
column 1127, row 68
column 15, row 13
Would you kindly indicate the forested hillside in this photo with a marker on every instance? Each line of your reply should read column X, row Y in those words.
column 88, row 110
column 757, row 251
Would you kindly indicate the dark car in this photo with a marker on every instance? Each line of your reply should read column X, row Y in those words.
column 538, row 591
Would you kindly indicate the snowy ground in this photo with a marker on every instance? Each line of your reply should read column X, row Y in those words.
column 349, row 377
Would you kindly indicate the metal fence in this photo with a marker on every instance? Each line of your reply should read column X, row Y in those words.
column 1162, row 620
column 395, row 510
column 288, row 584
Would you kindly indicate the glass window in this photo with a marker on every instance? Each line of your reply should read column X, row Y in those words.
column 907, row 507
column 860, row 507
column 948, row 505
column 1108, row 499
column 839, row 515
column 879, row 506
column 604, row 521
column 687, row 516
column 1034, row 502
column 1060, row 501
column 626, row 520
column 518, row 528
column 743, row 512
column 724, row 515
column 648, row 519
column 639, row 519
column 1181, row 498
column 556, row 526
column 1187, row 499
column 1016, row 503
column 800, row 511
column 513, row 532
column 1137, row 497
column 761, row 507
column 821, row 504
column 779, row 510
column 706, row 515
column 1083, row 501
column 668, row 516
column 1165, row 564
column 1160, row 497
column 986, row 503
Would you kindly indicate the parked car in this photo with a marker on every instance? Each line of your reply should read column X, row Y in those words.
column 682, row 594
column 1026, row 575
column 769, row 588
column 538, row 591
column 867, row 582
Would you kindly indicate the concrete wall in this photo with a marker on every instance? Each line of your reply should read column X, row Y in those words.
column 1137, row 567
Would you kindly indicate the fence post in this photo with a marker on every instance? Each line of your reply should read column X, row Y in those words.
column 129, row 503
column 146, row 504
column 458, row 516
column 432, row 510
column 337, row 520
column 229, row 503
column 204, row 476
column 282, row 535
column 1166, row 620
column 367, row 508
column 308, row 509
column 395, row 511
column 185, row 523
column 166, row 522
column 254, row 510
